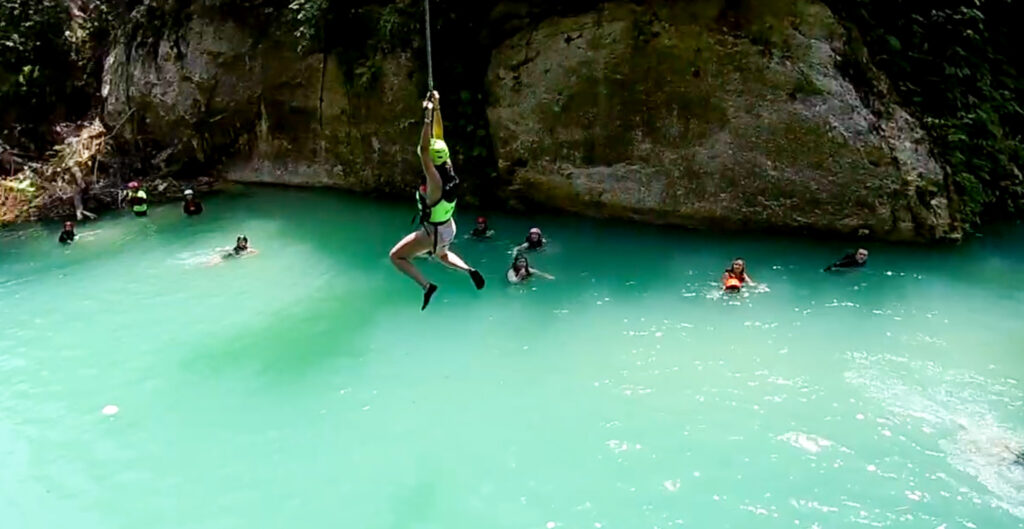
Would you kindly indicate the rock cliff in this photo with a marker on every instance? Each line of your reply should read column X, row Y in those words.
column 263, row 113
column 664, row 113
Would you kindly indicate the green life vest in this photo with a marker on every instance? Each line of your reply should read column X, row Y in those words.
column 444, row 209
column 139, row 200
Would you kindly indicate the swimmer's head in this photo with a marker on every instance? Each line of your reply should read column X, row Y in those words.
column 133, row 185
column 68, row 225
column 188, row 193
column 242, row 242
column 439, row 151
column 520, row 263
column 481, row 222
column 739, row 266
column 535, row 236
column 861, row 255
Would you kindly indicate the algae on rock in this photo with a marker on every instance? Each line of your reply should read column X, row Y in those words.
column 671, row 112
column 658, row 113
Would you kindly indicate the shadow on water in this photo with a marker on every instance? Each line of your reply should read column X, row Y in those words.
column 296, row 343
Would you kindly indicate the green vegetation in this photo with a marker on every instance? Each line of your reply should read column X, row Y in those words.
column 35, row 62
column 954, row 64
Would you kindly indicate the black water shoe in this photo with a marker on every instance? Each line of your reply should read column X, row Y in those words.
column 427, row 294
column 478, row 279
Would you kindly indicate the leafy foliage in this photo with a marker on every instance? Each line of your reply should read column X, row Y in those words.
column 955, row 64
column 35, row 59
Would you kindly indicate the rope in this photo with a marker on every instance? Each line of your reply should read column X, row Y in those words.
column 430, row 62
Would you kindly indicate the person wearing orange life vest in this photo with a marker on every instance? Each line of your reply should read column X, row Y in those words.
column 436, row 200
column 736, row 276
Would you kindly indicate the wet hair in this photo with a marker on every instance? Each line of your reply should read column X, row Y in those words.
column 733, row 263
column 526, row 263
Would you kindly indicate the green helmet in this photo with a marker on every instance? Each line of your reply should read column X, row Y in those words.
column 438, row 151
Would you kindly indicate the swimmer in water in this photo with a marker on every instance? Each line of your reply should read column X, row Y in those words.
column 241, row 247
column 436, row 200
column 482, row 230
column 191, row 206
column 534, row 241
column 137, row 199
column 858, row 259
column 68, row 235
column 736, row 276
column 991, row 444
column 520, row 270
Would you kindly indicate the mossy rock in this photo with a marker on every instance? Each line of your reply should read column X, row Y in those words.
column 658, row 112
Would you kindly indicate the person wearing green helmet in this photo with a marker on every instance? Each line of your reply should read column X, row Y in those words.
column 436, row 201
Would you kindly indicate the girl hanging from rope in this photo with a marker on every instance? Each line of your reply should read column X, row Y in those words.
column 436, row 201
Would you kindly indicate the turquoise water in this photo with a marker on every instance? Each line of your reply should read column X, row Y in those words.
column 303, row 387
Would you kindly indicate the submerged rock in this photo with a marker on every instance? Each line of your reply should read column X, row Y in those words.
column 661, row 114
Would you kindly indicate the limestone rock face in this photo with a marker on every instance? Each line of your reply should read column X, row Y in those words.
column 263, row 112
column 660, row 114
column 663, row 113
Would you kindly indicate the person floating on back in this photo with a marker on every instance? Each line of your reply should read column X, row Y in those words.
column 67, row 236
column 736, row 276
column 436, row 201
column 137, row 199
column 534, row 241
column 482, row 230
column 858, row 259
column 521, row 271
column 191, row 205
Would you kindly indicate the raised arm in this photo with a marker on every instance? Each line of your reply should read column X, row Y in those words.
column 434, row 183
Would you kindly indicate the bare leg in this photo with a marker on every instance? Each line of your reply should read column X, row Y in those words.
column 453, row 261
column 412, row 245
